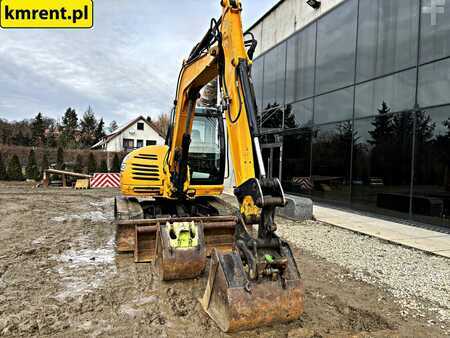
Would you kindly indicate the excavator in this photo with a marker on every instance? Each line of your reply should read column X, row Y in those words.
column 169, row 214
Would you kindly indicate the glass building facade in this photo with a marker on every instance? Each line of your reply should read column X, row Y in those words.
column 355, row 109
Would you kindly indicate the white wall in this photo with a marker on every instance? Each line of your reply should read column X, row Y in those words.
column 287, row 18
column 148, row 134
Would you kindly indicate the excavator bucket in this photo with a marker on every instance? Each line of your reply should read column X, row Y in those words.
column 180, row 250
column 236, row 303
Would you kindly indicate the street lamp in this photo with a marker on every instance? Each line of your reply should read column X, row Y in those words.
column 314, row 3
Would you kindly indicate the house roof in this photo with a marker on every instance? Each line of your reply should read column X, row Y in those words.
column 120, row 130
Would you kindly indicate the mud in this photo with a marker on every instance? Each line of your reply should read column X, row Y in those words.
column 60, row 276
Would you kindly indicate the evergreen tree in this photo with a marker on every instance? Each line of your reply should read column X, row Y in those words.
column 38, row 130
column 113, row 126
column 45, row 164
column 383, row 126
column 3, row 175
column 68, row 128
column 116, row 164
column 79, row 166
column 50, row 139
column 103, row 167
column 88, row 126
column 14, row 172
column 31, row 170
column 100, row 131
column 92, row 164
column 60, row 159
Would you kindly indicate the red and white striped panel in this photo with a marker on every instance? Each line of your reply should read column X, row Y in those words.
column 105, row 181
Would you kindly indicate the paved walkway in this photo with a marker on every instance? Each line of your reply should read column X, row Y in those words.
column 423, row 239
column 427, row 240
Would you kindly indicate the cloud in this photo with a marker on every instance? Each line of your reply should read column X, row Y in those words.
column 126, row 65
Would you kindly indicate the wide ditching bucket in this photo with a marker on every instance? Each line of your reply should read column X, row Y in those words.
column 236, row 303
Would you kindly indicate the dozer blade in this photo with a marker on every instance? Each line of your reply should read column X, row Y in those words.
column 235, row 303
column 126, row 209
column 145, row 243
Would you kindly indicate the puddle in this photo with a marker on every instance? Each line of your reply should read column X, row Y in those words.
column 92, row 216
column 84, row 270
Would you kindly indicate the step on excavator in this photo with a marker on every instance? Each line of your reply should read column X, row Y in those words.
column 169, row 214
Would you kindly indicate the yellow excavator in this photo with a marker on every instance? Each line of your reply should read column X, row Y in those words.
column 168, row 212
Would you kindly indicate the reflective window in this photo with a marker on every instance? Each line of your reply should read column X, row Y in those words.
column 299, row 114
column 397, row 91
column 301, row 50
column 336, row 106
column 435, row 31
column 382, row 163
column 434, row 83
column 272, row 119
column 297, row 162
column 336, row 43
column 431, row 193
column 257, row 78
column 205, row 152
column 387, row 37
column 331, row 154
column 274, row 74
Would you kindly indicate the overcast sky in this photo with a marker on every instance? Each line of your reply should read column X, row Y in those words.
column 126, row 65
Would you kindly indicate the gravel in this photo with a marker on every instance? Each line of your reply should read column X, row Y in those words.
column 409, row 275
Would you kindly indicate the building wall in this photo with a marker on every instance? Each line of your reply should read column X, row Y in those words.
column 358, row 104
column 148, row 134
column 287, row 18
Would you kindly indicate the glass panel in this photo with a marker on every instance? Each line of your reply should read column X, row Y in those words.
column 434, row 83
column 299, row 114
column 291, row 68
column 397, row 91
column 296, row 162
column 435, row 30
column 331, row 156
column 301, row 53
column 336, row 106
column 257, row 77
column 387, row 37
column 382, row 163
column 431, row 197
column 274, row 75
column 205, row 151
column 336, row 44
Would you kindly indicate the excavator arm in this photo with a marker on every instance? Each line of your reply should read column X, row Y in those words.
column 223, row 53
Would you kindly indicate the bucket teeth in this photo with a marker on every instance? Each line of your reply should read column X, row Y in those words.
column 236, row 303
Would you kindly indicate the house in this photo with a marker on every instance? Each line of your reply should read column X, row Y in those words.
column 135, row 134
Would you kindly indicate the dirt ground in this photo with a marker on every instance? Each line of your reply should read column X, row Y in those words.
column 60, row 276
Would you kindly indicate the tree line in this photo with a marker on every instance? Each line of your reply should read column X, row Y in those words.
column 70, row 132
column 12, row 170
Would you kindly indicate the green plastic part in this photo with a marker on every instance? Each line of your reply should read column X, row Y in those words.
column 268, row 258
column 183, row 235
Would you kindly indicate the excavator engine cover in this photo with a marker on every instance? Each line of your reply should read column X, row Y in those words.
column 236, row 303
column 180, row 250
